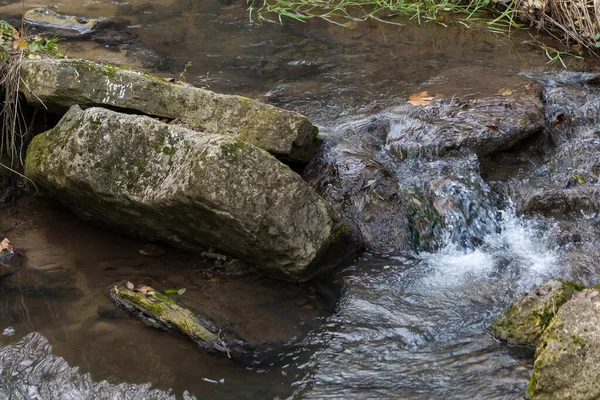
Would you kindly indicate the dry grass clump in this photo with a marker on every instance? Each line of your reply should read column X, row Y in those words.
column 569, row 20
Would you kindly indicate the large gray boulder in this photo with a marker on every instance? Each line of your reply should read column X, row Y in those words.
column 60, row 84
column 192, row 189
column 568, row 353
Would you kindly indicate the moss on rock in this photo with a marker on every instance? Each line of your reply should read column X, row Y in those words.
column 568, row 352
column 526, row 319
column 60, row 84
column 146, row 178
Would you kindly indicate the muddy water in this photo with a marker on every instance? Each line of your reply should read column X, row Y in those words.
column 403, row 327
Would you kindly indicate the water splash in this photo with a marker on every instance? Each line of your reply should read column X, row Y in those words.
column 415, row 327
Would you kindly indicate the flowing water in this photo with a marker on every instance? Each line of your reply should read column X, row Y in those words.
column 389, row 326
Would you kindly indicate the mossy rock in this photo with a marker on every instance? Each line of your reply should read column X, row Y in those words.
column 526, row 319
column 60, row 84
column 568, row 352
column 166, row 183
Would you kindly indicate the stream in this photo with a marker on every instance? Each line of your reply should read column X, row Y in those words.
column 405, row 325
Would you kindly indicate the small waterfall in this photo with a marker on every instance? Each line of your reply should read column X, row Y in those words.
column 415, row 327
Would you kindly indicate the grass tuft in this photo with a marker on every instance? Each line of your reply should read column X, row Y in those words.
column 576, row 22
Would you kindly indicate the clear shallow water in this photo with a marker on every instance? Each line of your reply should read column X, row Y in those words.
column 403, row 327
column 416, row 327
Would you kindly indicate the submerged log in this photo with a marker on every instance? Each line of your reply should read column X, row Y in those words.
column 161, row 311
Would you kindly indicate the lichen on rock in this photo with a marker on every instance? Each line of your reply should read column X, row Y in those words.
column 194, row 190
column 568, row 353
column 60, row 84
column 527, row 318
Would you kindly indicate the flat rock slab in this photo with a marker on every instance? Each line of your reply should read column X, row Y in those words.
column 568, row 354
column 195, row 190
column 66, row 25
column 559, row 202
column 484, row 125
column 60, row 84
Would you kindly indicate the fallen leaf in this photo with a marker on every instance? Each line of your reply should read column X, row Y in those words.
column 505, row 92
column 19, row 44
column 421, row 99
column 38, row 38
column 492, row 125
column 130, row 286
column 181, row 291
column 5, row 245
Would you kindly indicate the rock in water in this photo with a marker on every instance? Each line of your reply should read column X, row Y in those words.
column 526, row 319
column 194, row 190
column 568, row 353
column 66, row 25
column 60, row 84
column 484, row 125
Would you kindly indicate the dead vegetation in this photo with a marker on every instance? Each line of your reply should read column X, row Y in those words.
column 575, row 21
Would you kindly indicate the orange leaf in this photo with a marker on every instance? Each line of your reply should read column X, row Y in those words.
column 505, row 92
column 421, row 99
column 19, row 44
column 5, row 245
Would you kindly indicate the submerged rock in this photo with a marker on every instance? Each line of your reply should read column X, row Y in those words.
column 195, row 190
column 9, row 263
column 527, row 318
column 60, row 84
column 30, row 370
column 47, row 279
column 60, row 24
column 568, row 353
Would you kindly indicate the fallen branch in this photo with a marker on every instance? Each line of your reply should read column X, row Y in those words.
column 161, row 311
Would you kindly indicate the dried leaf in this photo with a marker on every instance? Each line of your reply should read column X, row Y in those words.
column 505, row 92
column 38, row 38
column 5, row 245
column 421, row 99
column 130, row 286
column 19, row 44
column 492, row 125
